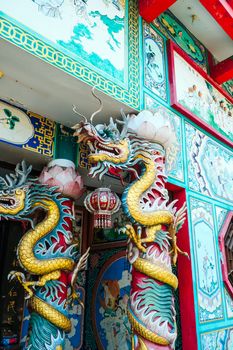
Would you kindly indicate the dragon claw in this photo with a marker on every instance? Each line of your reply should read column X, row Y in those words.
column 22, row 280
column 74, row 296
column 15, row 274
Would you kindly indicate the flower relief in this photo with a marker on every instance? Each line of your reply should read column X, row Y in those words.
column 202, row 99
column 208, row 283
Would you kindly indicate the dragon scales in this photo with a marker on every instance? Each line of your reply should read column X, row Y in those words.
column 153, row 220
column 45, row 251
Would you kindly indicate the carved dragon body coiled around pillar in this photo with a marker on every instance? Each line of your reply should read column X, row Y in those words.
column 152, row 232
column 45, row 251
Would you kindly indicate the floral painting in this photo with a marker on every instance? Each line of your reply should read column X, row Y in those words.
column 221, row 339
column 15, row 126
column 27, row 130
column 199, row 97
column 75, row 26
column 208, row 288
column 209, row 165
column 154, row 62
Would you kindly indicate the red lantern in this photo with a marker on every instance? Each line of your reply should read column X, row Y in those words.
column 102, row 203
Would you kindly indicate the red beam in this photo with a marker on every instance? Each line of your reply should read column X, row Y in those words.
column 222, row 12
column 222, row 71
column 151, row 9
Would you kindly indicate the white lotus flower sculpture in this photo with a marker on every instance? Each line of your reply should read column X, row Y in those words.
column 153, row 127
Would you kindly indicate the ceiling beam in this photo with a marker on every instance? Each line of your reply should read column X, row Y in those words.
column 222, row 12
column 151, row 9
column 223, row 71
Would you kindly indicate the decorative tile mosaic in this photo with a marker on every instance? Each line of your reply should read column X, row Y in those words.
column 209, row 165
column 220, row 216
column 69, row 40
column 217, row 340
column 173, row 29
column 154, row 62
column 207, row 276
column 229, row 304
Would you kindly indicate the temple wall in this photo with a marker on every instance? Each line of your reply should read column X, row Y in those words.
column 129, row 60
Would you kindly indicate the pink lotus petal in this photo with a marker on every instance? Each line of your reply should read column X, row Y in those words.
column 54, row 171
column 53, row 182
column 64, row 177
column 45, row 176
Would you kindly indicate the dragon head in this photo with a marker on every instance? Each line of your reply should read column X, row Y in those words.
column 14, row 192
column 110, row 148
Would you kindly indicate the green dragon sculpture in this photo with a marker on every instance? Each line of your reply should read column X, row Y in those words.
column 45, row 251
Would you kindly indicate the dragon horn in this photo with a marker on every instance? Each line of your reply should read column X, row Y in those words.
column 124, row 121
column 81, row 115
column 22, row 174
column 101, row 105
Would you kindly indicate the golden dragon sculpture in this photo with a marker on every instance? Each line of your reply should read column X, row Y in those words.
column 45, row 251
column 154, row 222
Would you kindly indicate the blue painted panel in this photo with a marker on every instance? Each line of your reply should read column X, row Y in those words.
column 217, row 340
column 154, row 62
column 209, row 297
column 209, row 165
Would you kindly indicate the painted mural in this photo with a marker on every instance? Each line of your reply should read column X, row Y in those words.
column 26, row 129
column 76, row 27
column 228, row 86
column 221, row 215
column 209, row 165
column 174, row 156
column 217, row 340
column 107, row 296
column 16, row 127
column 154, row 62
column 80, row 54
column 112, row 294
column 170, row 26
column 208, row 281
column 200, row 98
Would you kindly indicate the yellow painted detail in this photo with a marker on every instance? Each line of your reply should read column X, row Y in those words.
column 156, row 272
column 50, row 314
column 142, row 345
column 48, row 269
column 145, row 332
column 135, row 193
column 26, row 246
